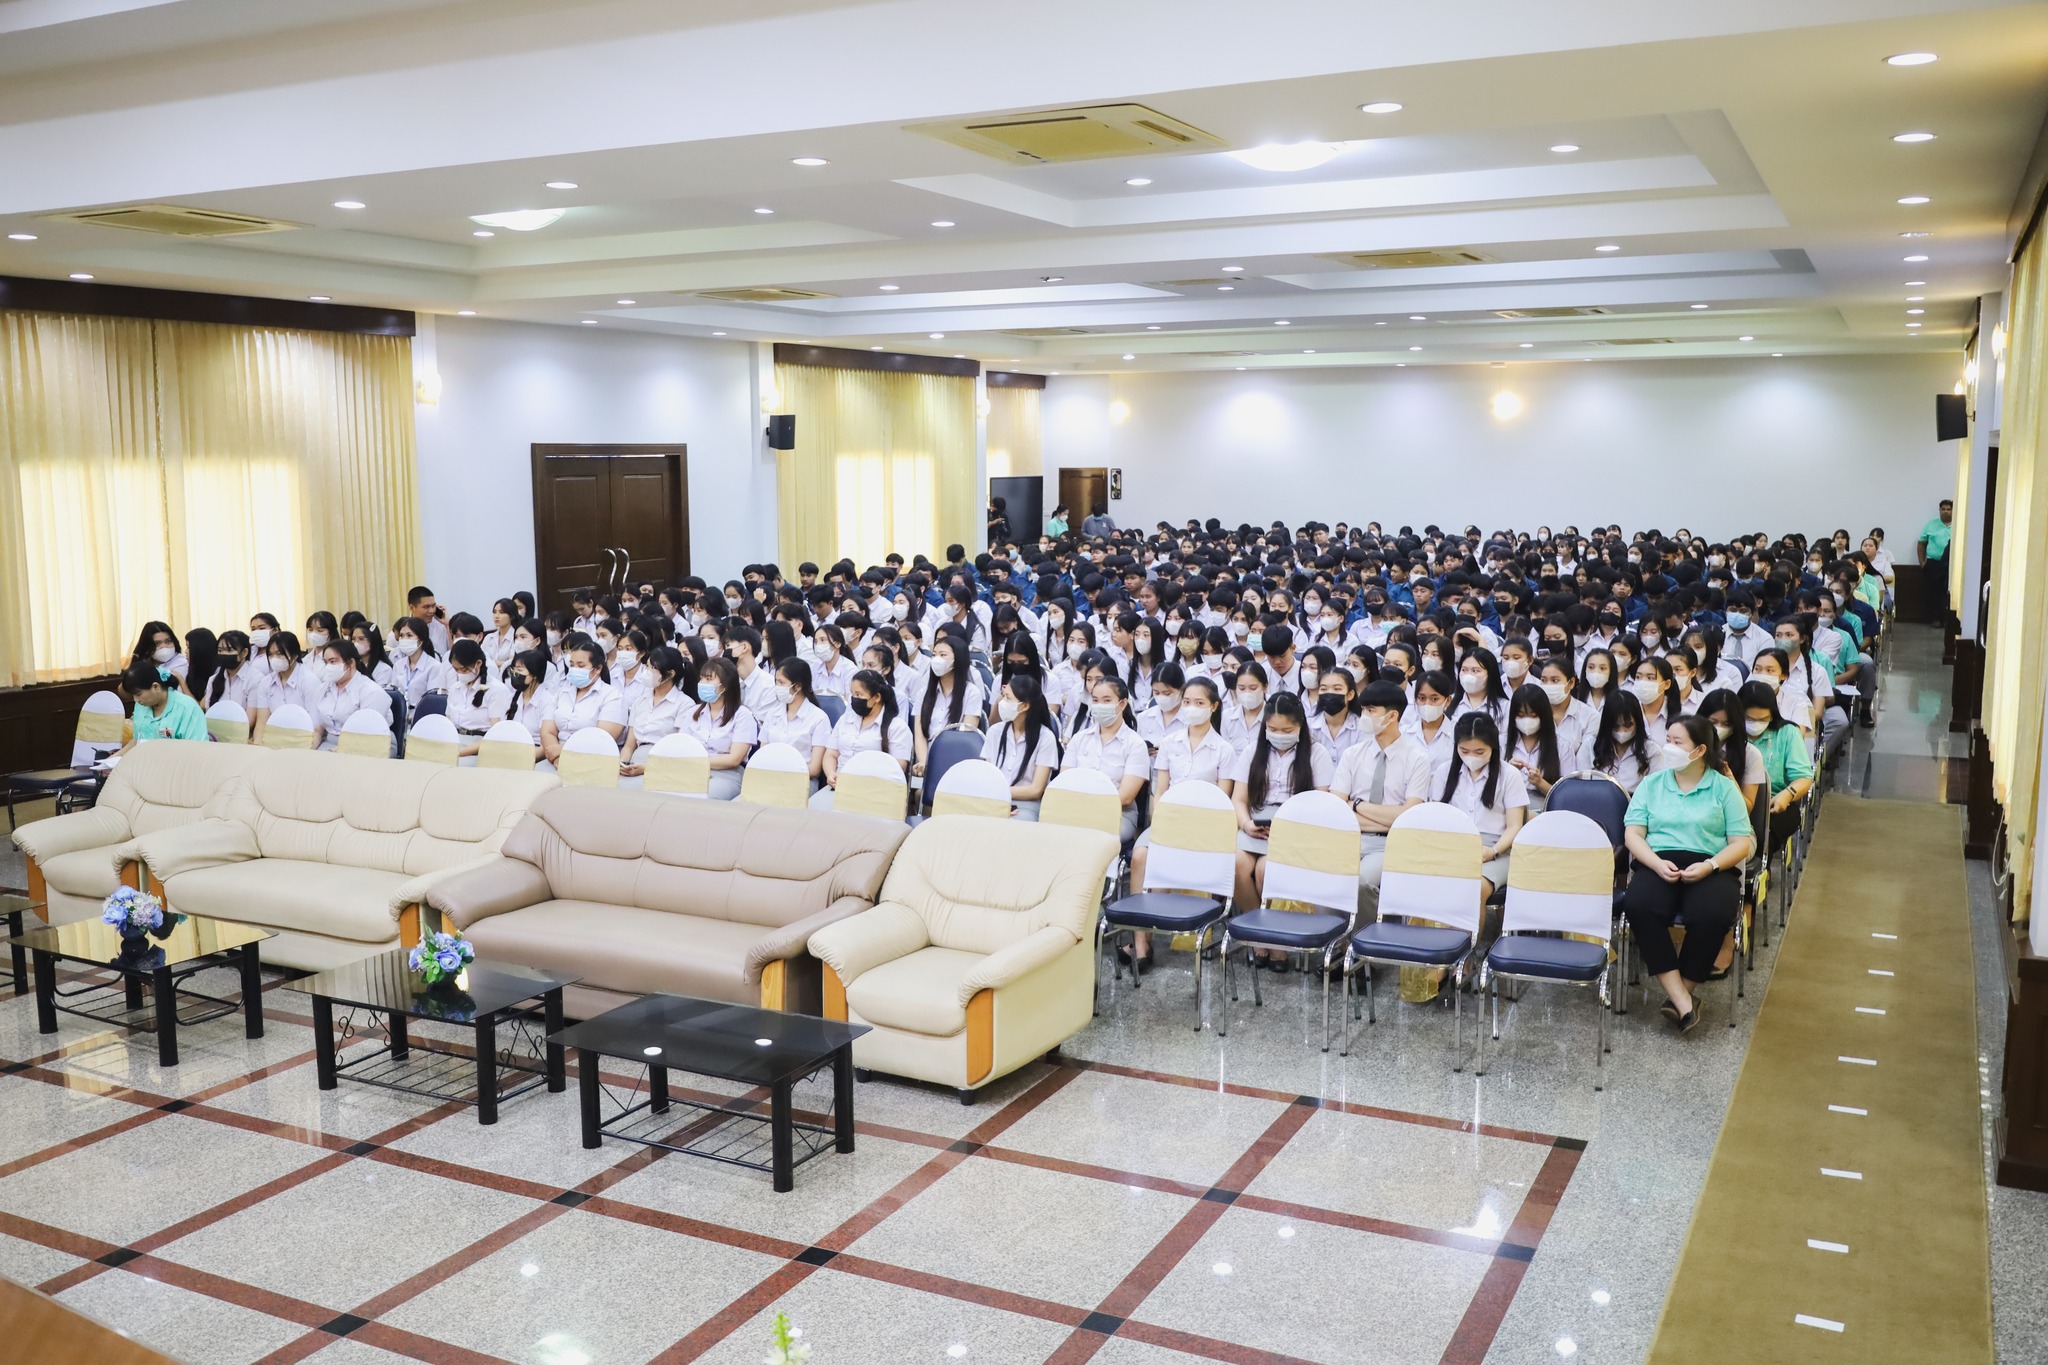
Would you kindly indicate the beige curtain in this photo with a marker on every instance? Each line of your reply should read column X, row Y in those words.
column 1015, row 447
column 193, row 473
column 883, row 462
column 2016, row 666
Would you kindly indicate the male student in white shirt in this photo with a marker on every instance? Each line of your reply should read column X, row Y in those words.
column 1381, row 777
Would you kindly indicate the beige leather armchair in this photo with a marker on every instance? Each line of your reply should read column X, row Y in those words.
column 75, row 861
column 642, row 893
column 978, row 955
column 333, row 853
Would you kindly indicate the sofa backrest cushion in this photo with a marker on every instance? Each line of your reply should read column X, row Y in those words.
column 405, row 818
column 169, row 782
column 713, row 859
column 980, row 885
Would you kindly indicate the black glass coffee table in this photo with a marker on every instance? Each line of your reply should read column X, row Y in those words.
column 161, row 960
column 14, row 909
column 483, row 997
column 754, row 1047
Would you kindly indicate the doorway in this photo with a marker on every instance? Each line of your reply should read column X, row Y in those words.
column 606, row 516
column 1085, row 492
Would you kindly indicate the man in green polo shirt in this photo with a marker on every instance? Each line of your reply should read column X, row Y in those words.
column 1934, row 538
column 161, row 711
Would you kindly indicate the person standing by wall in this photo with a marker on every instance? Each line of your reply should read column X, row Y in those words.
column 1933, row 547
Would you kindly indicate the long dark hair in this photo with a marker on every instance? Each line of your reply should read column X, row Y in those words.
column 467, row 653
column 201, row 645
column 535, row 663
column 884, row 693
column 230, row 642
column 1476, row 725
column 1621, row 708
column 727, row 674
column 1301, row 764
column 959, row 676
column 1530, row 699
column 1037, row 721
column 1583, row 689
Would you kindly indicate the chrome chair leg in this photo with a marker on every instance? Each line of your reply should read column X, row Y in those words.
column 1229, row 990
column 1201, row 1001
column 1252, row 964
column 1326, row 998
column 1485, row 976
column 1344, row 1003
column 1458, row 1017
column 1599, row 1057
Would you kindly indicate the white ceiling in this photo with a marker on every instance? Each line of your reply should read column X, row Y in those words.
column 1739, row 155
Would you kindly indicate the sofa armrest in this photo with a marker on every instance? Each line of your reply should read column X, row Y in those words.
column 490, row 886
column 62, row 834
column 1012, row 964
column 187, row 848
column 791, row 939
column 414, row 892
column 865, row 941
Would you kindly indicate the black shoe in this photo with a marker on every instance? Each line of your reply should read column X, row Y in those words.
column 1692, row 1017
column 1669, row 1011
column 1123, row 960
column 1721, row 973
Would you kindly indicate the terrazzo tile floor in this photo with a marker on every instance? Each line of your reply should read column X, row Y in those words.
column 1151, row 1195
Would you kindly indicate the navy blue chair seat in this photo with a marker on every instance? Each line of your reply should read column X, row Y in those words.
column 1559, row 959
column 1287, row 929
column 1164, row 911
column 1419, row 945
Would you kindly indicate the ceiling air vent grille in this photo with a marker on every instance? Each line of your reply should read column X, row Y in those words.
column 1632, row 341
column 175, row 220
column 1046, row 332
column 1085, row 134
column 1513, row 313
column 765, row 293
column 1413, row 260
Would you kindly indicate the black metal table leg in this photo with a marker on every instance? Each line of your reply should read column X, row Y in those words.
column 166, row 994
column 16, row 952
column 783, row 1133
column 657, row 1089
column 252, row 993
column 588, row 1087
column 323, row 1042
column 132, row 984
column 46, row 993
column 487, row 1069
column 401, row 1043
column 842, row 1097
column 551, row 1007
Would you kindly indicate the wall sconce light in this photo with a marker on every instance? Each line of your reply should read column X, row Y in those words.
column 427, row 388
column 1119, row 412
column 1506, row 406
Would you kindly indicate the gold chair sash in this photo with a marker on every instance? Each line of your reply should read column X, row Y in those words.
column 1315, row 847
column 364, row 746
column 285, row 737
column 761, row 787
column 949, row 803
column 445, row 752
column 1572, row 871
column 1089, row 810
column 496, row 753
column 1434, row 853
column 99, row 727
column 859, row 794
column 686, row 776
column 1196, row 829
column 228, row 731
column 588, row 770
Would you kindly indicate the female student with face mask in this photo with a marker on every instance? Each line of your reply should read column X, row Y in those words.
column 415, row 667
column 1428, row 717
column 1534, row 749
column 1480, row 689
column 1651, row 686
column 1024, row 742
column 1688, row 832
column 723, row 725
column 585, row 698
column 871, row 725
column 1333, row 719
column 1279, row 761
column 343, row 691
column 157, row 646
column 1621, row 747
column 1808, row 681
column 952, row 697
column 1489, row 789
column 1193, row 751
column 1162, row 716
column 1110, row 744
column 796, row 719
column 1787, row 765
column 1245, row 708
column 657, row 712
column 236, row 676
column 477, row 698
column 832, row 669
column 532, row 700
column 1767, row 670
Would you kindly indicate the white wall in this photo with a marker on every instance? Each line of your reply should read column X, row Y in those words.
column 1719, row 446
column 507, row 386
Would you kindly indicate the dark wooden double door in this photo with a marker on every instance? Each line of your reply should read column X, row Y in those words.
column 606, row 517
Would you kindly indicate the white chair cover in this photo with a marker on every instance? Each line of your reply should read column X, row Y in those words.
column 1432, row 866
column 366, row 734
column 289, row 727
column 227, row 722
column 100, row 723
column 973, row 786
column 1313, row 853
column 589, row 759
column 1194, row 841
column 777, row 775
column 872, row 783
column 1084, row 797
column 678, row 764
column 433, row 739
column 508, row 744
column 1561, row 877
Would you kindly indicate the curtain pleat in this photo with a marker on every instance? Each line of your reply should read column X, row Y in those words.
column 194, row 473
column 1016, row 446
column 883, row 462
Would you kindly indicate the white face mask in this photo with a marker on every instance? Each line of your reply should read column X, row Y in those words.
column 1596, row 677
column 315, row 639
column 1721, row 732
column 1770, row 683
column 404, row 647
column 1625, row 736
column 1645, row 691
column 1514, row 669
column 165, row 653
column 465, row 679
column 1008, row 710
column 1142, row 643
column 1076, row 650
column 1528, row 725
column 554, row 639
column 259, row 638
column 1755, row 728
column 1309, row 678
column 1432, row 712
column 1676, row 755
column 1330, row 624
column 1250, row 702
column 1103, row 712
column 333, row 671
column 278, row 663
column 784, row 693
column 1196, row 713
column 1239, row 629
column 1283, row 740
column 1473, row 683
column 713, row 647
column 1474, row 762
column 627, row 658
column 1556, row 692
column 942, row 664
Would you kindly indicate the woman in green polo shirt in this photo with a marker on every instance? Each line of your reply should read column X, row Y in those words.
column 162, row 711
column 1786, row 761
column 1688, row 832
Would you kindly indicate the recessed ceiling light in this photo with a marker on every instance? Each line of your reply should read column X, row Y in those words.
column 21, row 236
column 1913, row 199
column 808, row 161
column 1380, row 107
column 1417, row 317
column 320, row 298
column 942, row 222
column 764, row 210
column 519, row 220
column 1052, row 279
column 1282, row 322
column 1138, row 180
column 1240, row 367
column 936, row 336
column 466, row 313
column 889, row 288
column 1563, row 147
column 561, row 184
column 1527, row 344
column 1232, row 269
column 348, row 203
column 627, row 303
column 1916, row 298
column 718, row 334
column 590, row 322
column 1414, row 348
column 1129, row 356
column 1151, row 326
column 874, row 348
column 1915, row 284
column 1914, row 312
column 1912, row 234
column 959, row 355
column 1607, row 246
column 1286, row 156
column 80, row 275
column 1308, row 352
column 1381, row 323
column 1745, row 338
column 1912, row 324
column 1910, row 59
column 1912, row 137
column 1225, row 288
column 1777, row 355
column 1400, row 364
column 483, row 232
column 1914, row 260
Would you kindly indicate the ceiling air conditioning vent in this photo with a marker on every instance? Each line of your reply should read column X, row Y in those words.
column 1073, row 134
column 1194, row 284
column 177, row 221
column 1046, row 332
column 1631, row 341
column 765, row 293
column 1413, row 260
column 1554, row 312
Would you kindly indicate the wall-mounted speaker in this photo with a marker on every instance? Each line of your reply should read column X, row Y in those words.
column 782, row 431
column 1951, row 416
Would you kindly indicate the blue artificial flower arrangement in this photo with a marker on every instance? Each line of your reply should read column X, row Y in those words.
column 440, row 956
column 132, row 912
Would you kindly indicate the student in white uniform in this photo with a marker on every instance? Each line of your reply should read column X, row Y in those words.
column 1685, row 679
column 584, row 699
column 796, row 719
column 415, row 665
column 158, row 647
column 1769, row 668
column 373, row 661
column 283, row 678
column 1743, row 639
column 1652, row 687
column 1024, row 743
column 1428, row 718
column 1489, row 790
column 723, row 725
column 262, row 628
column 872, row 724
column 503, row 640
column 1280, row 761
column 477, row 697
column 1194, row 750
column 1621, row 747
column 1333, row 721
column 531, row 698
column 629, row 670
column 1111, row 745
column 235, row 678
column 756, row 682
column 657, row 712
column 1597, row 678
column 1161, row 718
column 831, row 669
column 1383, row 775
column 952, row 697
column 321, row 630
column 1532, row 747
column 1245, row 714
column 1573, row 719
column 343, row 691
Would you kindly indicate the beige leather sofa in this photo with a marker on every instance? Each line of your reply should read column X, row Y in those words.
column 640, row 893
column 978, row 954
column 75, row 861
column 333, row 853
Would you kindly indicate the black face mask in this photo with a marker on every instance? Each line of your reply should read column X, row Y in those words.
column 518, row 681
column 227, row 661
column 860, row 706
column 1331, row 704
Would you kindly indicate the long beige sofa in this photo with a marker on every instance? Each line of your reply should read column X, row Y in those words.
column 639, row 893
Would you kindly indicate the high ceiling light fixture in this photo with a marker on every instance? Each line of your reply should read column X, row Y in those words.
column 1287, row 156
column 80, row 275
column 561, row 184
column 1380, row 107
column 942, row 222
column 808, row 161
column 1745, row 338
column 1914, row 260
column 483, row 232
column 1138, row 180
column 1910, row 59
column 936, row 336
column 1232, row 269
column 1052, row 279
column 1282, row 322
column 21, row 236
column 320, row 298
column 1912, row 137
column 1915, row 312
column 1607, row 246
column 1225, row 288
column 626, row 303
column 889, row 288
column 1913, row 199
column 1912, row 234
column 1563, row 148
column 1701, row 305
column 519, row 220
column 348, row 203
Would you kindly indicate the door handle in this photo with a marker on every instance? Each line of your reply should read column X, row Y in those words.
column 609, row 564
column 625, row 570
